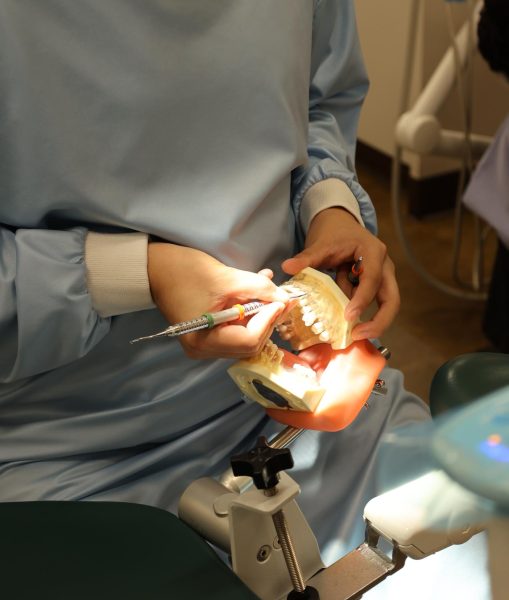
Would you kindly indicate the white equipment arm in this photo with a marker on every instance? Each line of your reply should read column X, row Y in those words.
column 418, row 129
column 426, row 515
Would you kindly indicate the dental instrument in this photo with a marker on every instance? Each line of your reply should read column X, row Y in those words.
column 356, row 271
column 210, row 320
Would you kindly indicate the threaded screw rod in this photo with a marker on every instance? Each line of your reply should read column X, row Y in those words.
column 285, row 539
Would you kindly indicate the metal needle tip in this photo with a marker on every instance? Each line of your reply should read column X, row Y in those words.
column 149, row 337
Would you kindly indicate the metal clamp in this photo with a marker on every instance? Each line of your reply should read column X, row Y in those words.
column 358, row 571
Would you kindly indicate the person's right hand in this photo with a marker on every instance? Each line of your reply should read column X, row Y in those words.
column 185, row 283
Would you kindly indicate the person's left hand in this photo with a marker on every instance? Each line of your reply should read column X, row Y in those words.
column 334, row 241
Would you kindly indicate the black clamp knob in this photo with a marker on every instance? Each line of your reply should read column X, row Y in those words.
column 262, row 463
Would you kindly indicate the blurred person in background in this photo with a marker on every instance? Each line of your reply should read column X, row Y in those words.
column 488, row 191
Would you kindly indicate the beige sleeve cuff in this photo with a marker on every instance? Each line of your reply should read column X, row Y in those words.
column 326, row 194
column 117, row 275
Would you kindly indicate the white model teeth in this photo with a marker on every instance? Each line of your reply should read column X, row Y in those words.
column 309, row 319
column 291, row 290
column 271, row 353
column 308, row 312
column 285, row 330
column 318, row 327
column 319, row 315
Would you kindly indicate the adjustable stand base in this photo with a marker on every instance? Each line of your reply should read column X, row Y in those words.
column 358, row 571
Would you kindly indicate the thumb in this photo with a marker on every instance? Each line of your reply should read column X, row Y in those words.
column 248, row 286
column 307, row 258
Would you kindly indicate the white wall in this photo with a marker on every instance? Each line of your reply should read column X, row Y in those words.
column 384, row 27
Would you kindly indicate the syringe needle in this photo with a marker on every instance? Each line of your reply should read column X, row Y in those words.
column 149, row 337
column 209, row 320
column 177, row 329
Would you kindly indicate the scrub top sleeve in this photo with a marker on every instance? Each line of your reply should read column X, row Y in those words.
column 117, row 272
column 46, row 314
column 338, row 86
column 328, row 193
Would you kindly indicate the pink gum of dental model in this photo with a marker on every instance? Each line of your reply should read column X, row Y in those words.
column 348, row 376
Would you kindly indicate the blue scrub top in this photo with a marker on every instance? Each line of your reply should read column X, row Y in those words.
column 203, row 123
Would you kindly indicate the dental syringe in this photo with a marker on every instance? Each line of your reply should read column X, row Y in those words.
column 209, row 320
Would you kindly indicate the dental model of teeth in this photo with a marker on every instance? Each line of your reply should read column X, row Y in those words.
column 318, row 316
column 279, row 379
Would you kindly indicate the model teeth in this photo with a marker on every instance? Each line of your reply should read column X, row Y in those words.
column 270, row 354
column 285, row 330
column 324, row 336
column 318, row 327
column 315, row 318
column 318, row 317
column 309, row 319
column 292, row 290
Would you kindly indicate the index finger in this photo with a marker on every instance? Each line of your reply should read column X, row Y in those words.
column 389, row 301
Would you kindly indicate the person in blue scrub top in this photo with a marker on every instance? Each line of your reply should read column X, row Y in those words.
column 159, row 160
